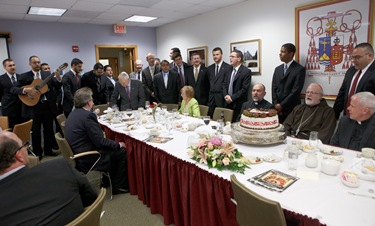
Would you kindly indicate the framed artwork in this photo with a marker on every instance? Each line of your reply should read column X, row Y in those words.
column 201, row 50
column 326, row 34
column 251, row 50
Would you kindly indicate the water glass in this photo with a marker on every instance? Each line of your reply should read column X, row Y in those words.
column 147, row 104
column 313, row 139
column 175, row 112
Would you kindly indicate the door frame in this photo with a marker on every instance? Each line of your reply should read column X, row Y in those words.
column 135, row 53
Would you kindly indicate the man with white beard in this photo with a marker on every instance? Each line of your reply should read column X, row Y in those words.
column 313, row 115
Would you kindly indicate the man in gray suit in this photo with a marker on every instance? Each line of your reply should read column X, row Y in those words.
column 137, row 74
column 129, row 91
column 148, row 77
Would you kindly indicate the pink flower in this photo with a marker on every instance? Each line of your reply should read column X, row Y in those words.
column 216, row 141
column 210, row 146
column 201, row 143
column 190, row 152
column 226, row 161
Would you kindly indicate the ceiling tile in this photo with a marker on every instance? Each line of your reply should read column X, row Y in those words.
column 13, row 8
column 12, row 16
column 113, row 16
column 16, row 2
column 171, row 5
column 197, row 9
column 91, row 6
column 66, row 4
column 81, row 14
column 126, row 9
column 221, row 3
column 144, row 3
column 74, row 20
column 42, row 18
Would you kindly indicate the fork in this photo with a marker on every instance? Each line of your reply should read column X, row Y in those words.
column 362, row 195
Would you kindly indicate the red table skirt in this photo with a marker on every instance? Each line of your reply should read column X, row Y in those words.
column 181, row 192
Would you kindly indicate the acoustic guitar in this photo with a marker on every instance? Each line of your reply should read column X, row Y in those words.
column 40, row 86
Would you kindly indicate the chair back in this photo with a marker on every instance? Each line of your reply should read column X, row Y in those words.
column 65, row 149
column 101, row 107
column 228, row 114
column 254, row 209
column 33, row 161
column 170, row 107
column 91, row 215
column 22, row 130
column 4, row 123
column 61, row 118
column 203, row 109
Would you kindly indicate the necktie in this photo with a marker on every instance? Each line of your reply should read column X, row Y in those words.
column 38, row 75
column 77, row 78
column 127, row 91
column 352, row 90
column 217, row 69
column 13, row 79
column 139, row 76
column 285, row 68
column 230, row 89
column 196, row 74
column 98, row 84
column 181, row 77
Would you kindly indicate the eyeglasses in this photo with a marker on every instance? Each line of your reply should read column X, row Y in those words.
column 312, row 93
column 359, row 56
column 26, row 145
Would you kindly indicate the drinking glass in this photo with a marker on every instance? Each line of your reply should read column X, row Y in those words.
column 147, row 104
column 168, row 125
column 164, row 109
column 129, row 112
column 174, row 112
column 185, row 111
column 313, row 139
column 206, row 120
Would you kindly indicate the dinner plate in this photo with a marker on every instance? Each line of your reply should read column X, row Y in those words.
column 331, row 151
column 272, row 158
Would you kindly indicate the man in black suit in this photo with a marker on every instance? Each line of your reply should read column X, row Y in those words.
column 171, row 52
column 216, row 74
column 71, row 83
column 84, row 133
column 130, row 92
column 181, row 68
column 363, row 70
column 42, row 113
column 138, row 73
column 197, row 77
column 167, row 85
column 97, row 83
column 148, row 77
column 111, row 81
column 11, row 105
column 287, row 82
column 51, row 193
column 236, row 84
column 356, row 130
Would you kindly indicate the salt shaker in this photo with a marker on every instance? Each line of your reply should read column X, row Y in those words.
column 293, row 156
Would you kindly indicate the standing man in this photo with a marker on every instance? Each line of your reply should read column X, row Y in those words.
column 97, row 83
column 42, row 113
column 137, row 74
column 130, row 92
column 216, row 74
column 171, row 52
column 197, row 78
column 287, row 82
column 11, row 105
column 181, row 67
column 110, row 80
column 358, row 78
column 148, row 77
column 71, row 83
column 167, row 85
column 236, row 84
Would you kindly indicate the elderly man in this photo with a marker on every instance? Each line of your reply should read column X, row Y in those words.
column 137, row 74
column 84, row 133
column 148, row 77
column 51, row 193
column 130, row 92
column 258, row 92
column 358, row 78
column 357, row 130
column 314, row 115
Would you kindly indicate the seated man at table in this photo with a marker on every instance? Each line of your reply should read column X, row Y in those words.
column 130, row 92
column 83, row 133
column 313, row 115
column 51, row 193
column 357, row 130
column 257, row 101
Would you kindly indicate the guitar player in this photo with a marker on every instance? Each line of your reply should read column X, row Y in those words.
column 41, row 113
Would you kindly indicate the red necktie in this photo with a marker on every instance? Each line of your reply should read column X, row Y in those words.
column 352, row 90
column 77, row 79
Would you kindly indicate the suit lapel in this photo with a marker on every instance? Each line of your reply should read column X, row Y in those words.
column 365, row 77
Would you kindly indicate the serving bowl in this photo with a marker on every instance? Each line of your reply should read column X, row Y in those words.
column 330, row 167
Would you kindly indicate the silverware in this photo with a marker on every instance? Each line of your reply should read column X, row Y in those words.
column 362, row 195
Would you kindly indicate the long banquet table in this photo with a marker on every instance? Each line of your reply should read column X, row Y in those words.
column 184, row 192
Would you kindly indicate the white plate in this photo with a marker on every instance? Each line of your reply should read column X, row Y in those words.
column 331, row 151
column 352, row 185
column 272, row 158
column 357, row 168
column 254, row 159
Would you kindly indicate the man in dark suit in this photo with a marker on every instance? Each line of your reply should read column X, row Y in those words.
column 97, row 83
column 287, row 82
column 236, row 84
column 216, row 74
column 362, row 74
column 130, row 92
column 171, row 52
column 137, row 74
column 111, row 81
column 148, row 77
column 181, row 68
column 71, row 83
column 167, row 85
column 84, row 133
column 42, row 113
column 11, row 105
column 197, row 78
column 51, row 193
column 357, row 129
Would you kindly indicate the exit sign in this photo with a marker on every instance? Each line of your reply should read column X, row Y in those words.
column 119, row 29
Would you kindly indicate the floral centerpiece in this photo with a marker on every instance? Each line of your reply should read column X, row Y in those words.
column 219, row 154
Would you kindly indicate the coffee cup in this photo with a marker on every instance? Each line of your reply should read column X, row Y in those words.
column 368, row 152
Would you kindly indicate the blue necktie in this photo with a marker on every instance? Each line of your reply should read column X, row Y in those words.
column 285, row 68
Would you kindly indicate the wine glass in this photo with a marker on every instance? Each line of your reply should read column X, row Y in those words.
column 206, row 120
column 164, row 109
column 174, row 112
column 147, row 104
column 129, row 112
column 168, row 125
column 185, row 111
column 313, row 140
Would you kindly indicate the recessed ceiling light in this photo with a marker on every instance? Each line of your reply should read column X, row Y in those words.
column 46, row 11
column 140, row 19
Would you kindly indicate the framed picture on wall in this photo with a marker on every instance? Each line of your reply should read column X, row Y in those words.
column 326, row 34
column 251, row 50
column 201, row 50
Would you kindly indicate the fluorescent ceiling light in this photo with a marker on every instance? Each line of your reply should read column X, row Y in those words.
column 46, row 11
column 140, row 19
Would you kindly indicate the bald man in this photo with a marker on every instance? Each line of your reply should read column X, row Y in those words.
column 313, row 115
